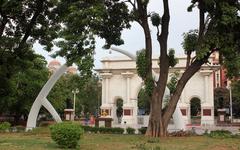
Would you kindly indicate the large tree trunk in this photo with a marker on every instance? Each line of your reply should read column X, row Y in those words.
column 156, row 126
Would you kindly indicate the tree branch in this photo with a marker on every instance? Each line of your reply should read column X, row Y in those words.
column 164, row 59
column 201, row 20
column 188, row 59
column 191, row 70
column 31, row 25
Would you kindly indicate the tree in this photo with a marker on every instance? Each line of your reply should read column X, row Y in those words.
column 218, row 31
column 24, row 22
column 25, row 86
column 221, row 99
column 143, row 101
column 21, row 24
column 62, row 91
column 70, row 25
column 119, row 111
column 236, row 98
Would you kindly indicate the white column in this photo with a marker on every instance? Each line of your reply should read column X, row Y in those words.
column 206, row 74
column 107, row 89
column 128, row 90
column 103, row 91
column 128, row 76
column 206, row 88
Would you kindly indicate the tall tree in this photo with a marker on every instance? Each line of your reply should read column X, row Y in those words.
column 218, row 31
column 24, row 87
column 21, row 24
column 69, row 24
column 236, row 98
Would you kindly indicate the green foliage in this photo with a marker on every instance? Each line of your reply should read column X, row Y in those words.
column 66, row 134
column 130, row 130
column 142, row 64
column 195, row 106
column 149, row 86
column 190, row 41
column 4, row 126
column 156, row 20
column 24, row 87
column 172, row 60
column 142, row 130
column 26, row 22
column 119, row 104
column 221, row 99
column 220, row 134
column 103, row 130
column 221, row 33
column 235, row 85
column 143, row 100
column 173, row 82
column 85, row 102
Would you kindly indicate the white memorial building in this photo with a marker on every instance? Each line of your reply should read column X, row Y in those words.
column 121, row 81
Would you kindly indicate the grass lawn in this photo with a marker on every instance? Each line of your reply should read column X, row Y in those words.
column 41, row 140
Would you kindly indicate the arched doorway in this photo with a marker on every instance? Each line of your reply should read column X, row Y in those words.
column 119, row 110
column 195, row 110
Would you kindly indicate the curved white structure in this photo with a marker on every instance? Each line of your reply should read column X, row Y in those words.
column 177, row 115
column 41, row 100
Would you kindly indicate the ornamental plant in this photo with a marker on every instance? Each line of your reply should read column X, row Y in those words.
column 66, row 134
column 130, row 130
column 4, row 126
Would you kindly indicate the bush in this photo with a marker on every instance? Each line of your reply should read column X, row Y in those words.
column 66, row 134
column 103, row 130
column 18, row 128
column 5, row 126
column 130, row 130
column 220, row 134
column 142, row 130
column 181, row 133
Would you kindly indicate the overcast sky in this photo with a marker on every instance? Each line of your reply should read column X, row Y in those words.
column 181, row 21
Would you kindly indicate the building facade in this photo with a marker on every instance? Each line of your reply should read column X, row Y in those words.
column 120, row 81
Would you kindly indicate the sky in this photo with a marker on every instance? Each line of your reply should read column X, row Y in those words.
column 180, row 21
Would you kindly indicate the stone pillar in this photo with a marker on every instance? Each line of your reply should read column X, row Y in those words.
column 128, row 107
column 105, row 85
column 128, row 76
column 207, row 106
column 106, row 107
column 206, row 92
column 206, row 74
column 103, row 91
column 107, row 90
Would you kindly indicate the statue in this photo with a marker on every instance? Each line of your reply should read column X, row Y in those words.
column 69, row 104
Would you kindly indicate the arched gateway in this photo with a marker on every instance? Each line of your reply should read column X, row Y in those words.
column 120, row 79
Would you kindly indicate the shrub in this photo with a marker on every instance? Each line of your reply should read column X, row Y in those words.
column 18, row 128
column 220, row 134
column 130, row 130
column 66, row 134
column 5, row 126
column 103, row 130
column 181, row 133
column 142, row 130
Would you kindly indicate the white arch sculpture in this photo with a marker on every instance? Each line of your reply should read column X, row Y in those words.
column 177, row 115
column 41, row 100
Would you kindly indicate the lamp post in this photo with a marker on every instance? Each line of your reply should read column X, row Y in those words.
column 230, row 98
column 74, row 99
